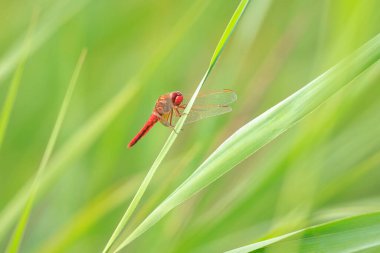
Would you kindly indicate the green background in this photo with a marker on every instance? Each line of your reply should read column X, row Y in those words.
column 325, row 167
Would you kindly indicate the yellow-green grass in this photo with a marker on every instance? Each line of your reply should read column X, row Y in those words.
column 312, row 178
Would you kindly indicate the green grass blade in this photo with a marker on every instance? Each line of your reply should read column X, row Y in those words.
column 346, row 235
column 17, row 236
column 83, row 222
column 82, row 139
column 228, row 31
column 265, row 128
column 13, row 89
column 71, row 149
column 140, row 192
column 10, row 99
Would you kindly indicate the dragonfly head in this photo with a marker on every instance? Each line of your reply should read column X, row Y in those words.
column 176, row 97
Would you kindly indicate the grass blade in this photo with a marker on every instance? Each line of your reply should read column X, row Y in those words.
column 95, row 125
column 227, row 33
column 16, row 238
column 85, row 219
column 336, row 236
column 265, row 128
column 10, row 99
column 13, row 89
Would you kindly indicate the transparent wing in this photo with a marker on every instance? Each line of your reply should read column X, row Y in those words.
column 199, row 113
column 219, row 97
column 208, row 104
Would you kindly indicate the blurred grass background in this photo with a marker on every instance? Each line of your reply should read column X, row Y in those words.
column 324, row 168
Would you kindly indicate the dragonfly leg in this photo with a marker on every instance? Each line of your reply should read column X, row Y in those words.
column 177, row 113
column 167, row 122
column 170, row 124
column 182, row 107
column 170, row 118
column 175, row 130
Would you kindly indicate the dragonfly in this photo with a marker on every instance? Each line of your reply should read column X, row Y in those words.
column 169, row 108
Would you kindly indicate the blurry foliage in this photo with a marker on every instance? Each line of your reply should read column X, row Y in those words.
column 325, row 167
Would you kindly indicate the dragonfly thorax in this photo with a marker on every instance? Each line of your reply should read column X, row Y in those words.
column 163, row 105
column 167, row 102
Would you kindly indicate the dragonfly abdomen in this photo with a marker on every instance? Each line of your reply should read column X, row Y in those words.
column 148, row 125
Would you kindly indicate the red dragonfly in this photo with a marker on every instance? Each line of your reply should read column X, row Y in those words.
column 169, row 108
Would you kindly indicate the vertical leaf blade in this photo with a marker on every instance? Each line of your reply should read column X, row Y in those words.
column 261, row 130
column 17, row 236
column 165, row 149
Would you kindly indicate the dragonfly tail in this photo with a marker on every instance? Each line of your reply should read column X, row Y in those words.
column 148, row 125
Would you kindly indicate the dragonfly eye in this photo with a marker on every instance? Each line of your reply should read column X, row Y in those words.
column 176, row 97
